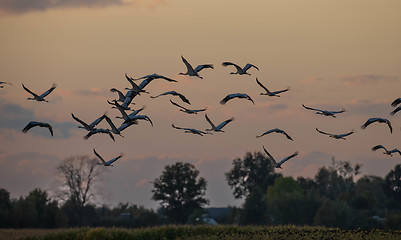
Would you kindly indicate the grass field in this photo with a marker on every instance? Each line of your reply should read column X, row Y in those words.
column 198, row 233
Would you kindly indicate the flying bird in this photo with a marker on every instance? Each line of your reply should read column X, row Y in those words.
column 278, row 164
column 32, row 124
column 325, row 112
column 174, row 93
column 396, row 102
column 186, row 110
column 269, row 93
column 108, row 163
column 240, row 70
column 219, row 127
column 154, row 76
column 387, row 152
column 194, row 72
column 86, row 126
column 191, row 130
column 379, row 120
column 336, row 136
column 236, row 95
column 2, row 83
column 276, row 130
column 40, row 98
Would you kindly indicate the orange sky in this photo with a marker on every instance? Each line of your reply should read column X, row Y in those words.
column 332, row 54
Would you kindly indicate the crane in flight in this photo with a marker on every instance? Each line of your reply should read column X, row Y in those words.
column 269, row 93
column 236, row 95
column 40, row 98
column 336, row 136
column 108, row 163
column 387, row 152
column 276, row 130
column 240, row 70
column 32, row 124
column 325, row 112
column 219, row 127
column 379, row 120
column 194, row 72
column 278, row 164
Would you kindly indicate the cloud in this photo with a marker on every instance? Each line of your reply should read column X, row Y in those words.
column 16, row 118
column 23, row 6
column 362, row 80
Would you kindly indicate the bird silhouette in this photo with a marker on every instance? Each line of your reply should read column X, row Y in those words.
column 236, row 95
column 194, row 72
column 240, row 70
column 275, row 130
column 108, row 163
column 379, row 120
column 336, row 136
column 40, row 98
column 32, row 124
column 325, row 112
column 278, row 164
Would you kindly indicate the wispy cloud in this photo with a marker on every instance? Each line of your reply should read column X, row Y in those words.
column 365, row 79
column 23, row 6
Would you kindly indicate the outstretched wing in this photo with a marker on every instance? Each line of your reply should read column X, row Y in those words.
column 26, row 89
column 269, row 155
column 309, row 108
column 395, row 110
column 248, row 66
column 183, row 98
column 84, row 124
column 114, row 159
column 48, row 91
column 100, row 157
column 221, row 125
column 225, row 64
column 287, row 158
column 260, row 84
column 287, row 136
column 378, row 147
column 324, row 132
column 200, row 67
column 176, row 104
column 189, row 66
column 209, row 121
column 226, row 99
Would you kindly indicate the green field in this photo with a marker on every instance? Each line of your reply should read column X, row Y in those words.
column 198, row 233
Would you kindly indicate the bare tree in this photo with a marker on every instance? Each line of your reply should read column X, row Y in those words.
column 80, row 178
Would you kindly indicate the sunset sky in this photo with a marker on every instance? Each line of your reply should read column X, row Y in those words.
column 332, row 54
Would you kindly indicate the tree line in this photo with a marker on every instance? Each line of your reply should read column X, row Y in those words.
column 332, row 198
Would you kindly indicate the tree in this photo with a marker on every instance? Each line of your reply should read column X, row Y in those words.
column 288, row 203
column 392, row 183
column 5, row 208
column 80, row 178
column 337, row 180
column 180, row 191
column 255, row 170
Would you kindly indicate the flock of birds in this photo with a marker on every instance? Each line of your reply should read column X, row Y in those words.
column 124, row 101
